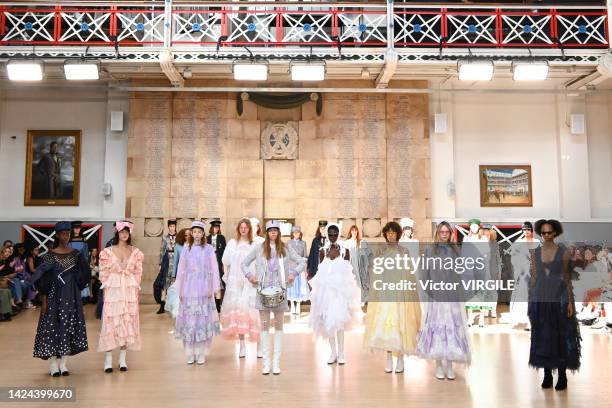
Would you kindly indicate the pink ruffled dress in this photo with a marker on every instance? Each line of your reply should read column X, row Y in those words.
column 120, row 316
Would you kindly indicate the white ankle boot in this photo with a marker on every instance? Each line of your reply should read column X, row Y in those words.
column 278, row 349
column 450, row 374
column 190, row 355
column 297, row 308
column 122, row 358
column 333, row 357
column 481, row 317
column 108, row 362
column 265, row 350
column 341, row 359
column 63, row 367
column 389, row 367
column 259, row 349
column 54, row 367
column 242, row 351
column 439, row 370
column 399, row 367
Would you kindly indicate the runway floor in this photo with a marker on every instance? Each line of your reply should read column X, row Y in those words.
column 159, row 377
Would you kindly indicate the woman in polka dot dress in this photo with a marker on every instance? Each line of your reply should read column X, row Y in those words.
column 62, row 275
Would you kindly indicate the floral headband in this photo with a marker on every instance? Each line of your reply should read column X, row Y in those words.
column 121, row 225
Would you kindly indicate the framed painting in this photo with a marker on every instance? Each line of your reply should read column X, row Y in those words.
column 53, row 168
column 505, row 186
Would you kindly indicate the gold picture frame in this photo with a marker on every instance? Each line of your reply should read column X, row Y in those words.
column 505, row 186
column 53, row 168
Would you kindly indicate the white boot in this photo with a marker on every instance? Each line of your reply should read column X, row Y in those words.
column 439, row 370
column 190, row 354
column 389, row 367
column 494, row 313
column 259, row 349
column 108, row 362
column 341, row 359
column 265, row 348
column 200, row 353
column 63, row 367
column 122, row 363
column 333, row 357
column 278, row 349
column 470, row 317
column 399, row 367
column 450, row 374
column 481, row 317
column 53, row 367
column 242, row 351
column 297, row 308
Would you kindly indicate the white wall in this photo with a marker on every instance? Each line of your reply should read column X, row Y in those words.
column 571, row 174
column 102, row 153
column 599, row 128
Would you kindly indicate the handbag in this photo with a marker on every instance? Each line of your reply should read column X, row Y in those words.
column 273, row 296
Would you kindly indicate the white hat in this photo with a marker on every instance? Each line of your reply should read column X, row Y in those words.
column 273, row 224
column 254, row 221
column 407, row 223
column 198, row 224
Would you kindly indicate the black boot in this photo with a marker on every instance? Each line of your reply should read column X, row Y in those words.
column 162, row 307
column 548, row 378
column 562, row 380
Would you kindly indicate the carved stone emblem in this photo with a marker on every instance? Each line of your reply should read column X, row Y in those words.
column 279, row 141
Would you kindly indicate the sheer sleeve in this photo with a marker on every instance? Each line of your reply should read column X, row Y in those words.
column 248, row 261
column 567, row 278
column 214, row 267
column 105, row 262
column 228, row 253
column 180, row 270
column 137, row 271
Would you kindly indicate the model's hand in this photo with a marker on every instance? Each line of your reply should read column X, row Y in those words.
column 570, row 309
column 253, row 279
column 217, row 295
column 291, row 279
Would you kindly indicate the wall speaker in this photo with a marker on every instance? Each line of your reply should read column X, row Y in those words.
column 440, row 123
column 107, row 189
column 117, row 121
column 577, row 125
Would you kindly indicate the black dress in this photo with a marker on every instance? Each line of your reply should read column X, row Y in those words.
column 61, row 330
column 555, row 337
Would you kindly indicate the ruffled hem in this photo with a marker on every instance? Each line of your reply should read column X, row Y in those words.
column 199, row 333
column 235, row 325
column 115, row 309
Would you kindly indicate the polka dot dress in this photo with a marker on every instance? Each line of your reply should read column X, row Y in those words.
column 61, row 331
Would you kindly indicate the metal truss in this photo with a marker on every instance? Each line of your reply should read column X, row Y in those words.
column 281, row 29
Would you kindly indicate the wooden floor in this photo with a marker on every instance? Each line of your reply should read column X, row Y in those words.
column 158, row 377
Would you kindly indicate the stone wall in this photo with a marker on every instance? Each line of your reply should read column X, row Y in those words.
column 364, row 161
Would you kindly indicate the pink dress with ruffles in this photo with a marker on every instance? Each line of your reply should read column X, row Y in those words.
column 120, row 316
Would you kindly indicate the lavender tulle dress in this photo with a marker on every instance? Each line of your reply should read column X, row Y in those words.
column 197, row 281
column 443, row 334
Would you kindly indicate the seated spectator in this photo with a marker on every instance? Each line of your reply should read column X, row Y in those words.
column 24, row 275
column 5, row 301
column 7, row 271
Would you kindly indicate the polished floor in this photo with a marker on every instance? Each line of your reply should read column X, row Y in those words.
column 158, row 376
